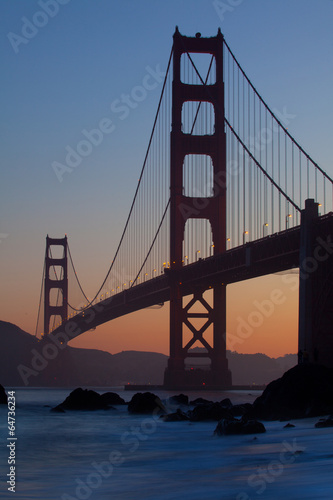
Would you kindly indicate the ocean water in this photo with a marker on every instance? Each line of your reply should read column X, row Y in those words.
column 111, row 454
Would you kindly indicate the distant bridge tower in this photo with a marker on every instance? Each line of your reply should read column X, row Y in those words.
column 214, row 145
column 60, row 282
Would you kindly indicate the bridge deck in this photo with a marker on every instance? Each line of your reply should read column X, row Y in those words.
column 275, row 253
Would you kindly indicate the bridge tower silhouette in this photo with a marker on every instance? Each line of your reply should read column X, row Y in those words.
column 183, row 208
column 55, row 281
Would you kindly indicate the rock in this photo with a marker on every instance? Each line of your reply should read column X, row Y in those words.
column 178, row 416
column 325, row 422
column 226, row 403
column 200, row 401
column 289, row 425
column 227, row 427
column 3, row 396
column 240, row 409
column 146, row 402
column 303, row 391
column 83, row 399
column 180, row 399
column 209, row 411
column 112, row 398
column 58, row 409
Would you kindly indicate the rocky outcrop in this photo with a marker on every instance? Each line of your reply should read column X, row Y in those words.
column 178, row 416
column 112, row 398
column 209, row 411
column 303, row 391
column 82, row 399
column 227, row 427
column 146, row 402
column 325, row 422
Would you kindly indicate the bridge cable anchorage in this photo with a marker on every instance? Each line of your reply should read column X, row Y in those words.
column 261, row 168
column 275, row 117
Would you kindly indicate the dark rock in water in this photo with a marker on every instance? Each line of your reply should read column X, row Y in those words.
column 180, row 399
column 58, row 409
column 3, row 396
column 112, row 398
column 178, row 416
column 146, row 402
column 325, row 422
column 227, row 427
column 83, row 399
column 226, row 403
column 289, row 425
column 209, row 411
column 303, row 391
column 199, row 401
column 240, row 409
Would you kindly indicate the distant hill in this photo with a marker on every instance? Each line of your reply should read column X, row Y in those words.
column 25, row 361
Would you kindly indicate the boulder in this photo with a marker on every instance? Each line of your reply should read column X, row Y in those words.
column 240, row 409
column 209, row 411
column 303, row 391
column 112, row 398
column 226, row 403
column 146, row 402
column 325, row 422
column 180, row 399
column 3, row 396
column 178, row 416
column 200, row 401
column 83, row 399
column 227, row 427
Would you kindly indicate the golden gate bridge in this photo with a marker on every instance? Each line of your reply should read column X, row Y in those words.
column 225, row 194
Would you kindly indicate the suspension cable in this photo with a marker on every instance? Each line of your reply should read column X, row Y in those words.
column 261, row 168
column 274, row 116
column 40, row 298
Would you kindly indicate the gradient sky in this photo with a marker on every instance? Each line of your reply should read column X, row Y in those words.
column 64, row 78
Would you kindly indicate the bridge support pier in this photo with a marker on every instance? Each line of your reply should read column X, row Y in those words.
column 315, row 289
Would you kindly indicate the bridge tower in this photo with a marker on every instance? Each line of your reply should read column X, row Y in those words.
column 214, row 210
column 60, row 283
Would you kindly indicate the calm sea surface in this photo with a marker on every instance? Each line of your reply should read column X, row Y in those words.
column 114, row 455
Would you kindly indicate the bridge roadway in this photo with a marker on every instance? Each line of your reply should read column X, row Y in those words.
column 274, row 253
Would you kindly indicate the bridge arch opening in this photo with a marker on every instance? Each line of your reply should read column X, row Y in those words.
column 56, row 297
column 56, row 273
column 198, row 176
column 56, row 251
column 198, row 118
column 204, row 63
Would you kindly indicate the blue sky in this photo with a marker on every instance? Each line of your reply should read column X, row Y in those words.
column 70, row 71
